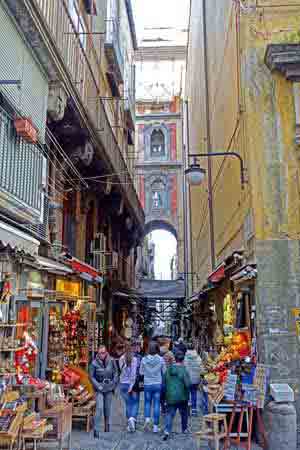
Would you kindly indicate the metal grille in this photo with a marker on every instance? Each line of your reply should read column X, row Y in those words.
column 21, row 168
column 42, row 230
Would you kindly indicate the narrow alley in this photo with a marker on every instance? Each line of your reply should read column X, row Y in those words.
column 149, row 224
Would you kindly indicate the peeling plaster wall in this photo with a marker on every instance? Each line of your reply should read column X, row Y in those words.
column 251, row 111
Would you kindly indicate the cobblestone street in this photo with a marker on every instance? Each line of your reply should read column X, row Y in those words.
column 120, row 439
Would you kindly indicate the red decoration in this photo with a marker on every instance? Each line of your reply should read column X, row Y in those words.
column 141, row 139
column 174, row 196
column 172, row 128
column 25, row 128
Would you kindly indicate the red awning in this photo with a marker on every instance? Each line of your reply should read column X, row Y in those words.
column 81, row 267
column 218, row 274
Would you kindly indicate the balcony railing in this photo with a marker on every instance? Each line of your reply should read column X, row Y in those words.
column 84, row 71
column 113, row 49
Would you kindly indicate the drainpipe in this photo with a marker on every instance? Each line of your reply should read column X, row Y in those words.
column 208, row 143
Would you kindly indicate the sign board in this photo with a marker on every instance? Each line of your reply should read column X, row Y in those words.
column 296, row 313
column 260, row 383
column 230, row 387
column 298, row 328
column 68, row 287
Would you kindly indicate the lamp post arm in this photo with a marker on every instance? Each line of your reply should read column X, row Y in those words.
column 232, row 154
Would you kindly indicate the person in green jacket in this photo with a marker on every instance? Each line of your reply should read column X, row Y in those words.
column 177, row 387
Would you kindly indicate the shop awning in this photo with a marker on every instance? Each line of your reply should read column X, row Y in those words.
column 53, row 266
column 246, row 273
column 87, row 272
column 218, row 274
column 18, row 240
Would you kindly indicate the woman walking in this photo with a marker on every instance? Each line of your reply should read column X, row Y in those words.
column 153, row 368
column 104, row 376
column 128, row 366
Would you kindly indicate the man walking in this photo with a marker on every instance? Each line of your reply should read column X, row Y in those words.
column 177, row 385
column 104, row 376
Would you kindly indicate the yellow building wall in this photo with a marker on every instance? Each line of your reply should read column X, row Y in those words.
column 227, row 128
column 251, row 112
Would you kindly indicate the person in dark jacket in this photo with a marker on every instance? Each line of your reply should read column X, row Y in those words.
column 104, row 377
column 180, row 346
column 177, row 385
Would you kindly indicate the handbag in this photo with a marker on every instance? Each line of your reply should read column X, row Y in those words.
column 139, row 384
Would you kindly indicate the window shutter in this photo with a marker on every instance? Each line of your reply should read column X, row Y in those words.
column 22, row 171
column 18, row 63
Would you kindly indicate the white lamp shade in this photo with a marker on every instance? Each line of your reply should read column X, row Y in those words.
column 195, row 175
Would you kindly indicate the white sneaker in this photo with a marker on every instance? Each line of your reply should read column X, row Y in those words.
column 147, row 424
column 156, row 429
column 131, row 424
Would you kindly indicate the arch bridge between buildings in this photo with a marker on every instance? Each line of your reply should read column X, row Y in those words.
column 160, row 224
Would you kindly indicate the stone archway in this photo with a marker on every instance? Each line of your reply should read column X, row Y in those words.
column 158, row 224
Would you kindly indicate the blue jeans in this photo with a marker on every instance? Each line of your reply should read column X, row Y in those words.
column 194, row 391
column 152, row 394
column 204, row 402
column 131, row 401
column 183, row 408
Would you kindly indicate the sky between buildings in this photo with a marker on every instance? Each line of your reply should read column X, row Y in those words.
column 165, row 23
column 169, row 17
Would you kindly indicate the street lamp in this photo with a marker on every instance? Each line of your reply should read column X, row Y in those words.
column 195, row 174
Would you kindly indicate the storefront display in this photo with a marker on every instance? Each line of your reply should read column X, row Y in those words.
column 44, row 333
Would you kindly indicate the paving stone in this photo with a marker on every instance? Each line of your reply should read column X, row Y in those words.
column 120, row 439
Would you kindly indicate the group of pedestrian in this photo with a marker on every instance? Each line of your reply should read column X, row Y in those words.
column 168, row 377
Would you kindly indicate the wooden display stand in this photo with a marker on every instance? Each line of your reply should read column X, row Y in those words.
column 35, row 436
column 60, row 417
column 214, row 429
column 11, row 438
column 84, row 408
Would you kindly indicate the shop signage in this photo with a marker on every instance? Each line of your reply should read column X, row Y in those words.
column 296, row 312
column 69, row 287
column 217, row 275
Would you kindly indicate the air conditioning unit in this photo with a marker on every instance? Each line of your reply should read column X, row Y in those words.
column 112, row 260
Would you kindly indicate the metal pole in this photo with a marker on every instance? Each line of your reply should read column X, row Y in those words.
column 186, row 196
column 208, row 143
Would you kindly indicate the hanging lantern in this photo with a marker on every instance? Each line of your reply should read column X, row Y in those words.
column 25, row 128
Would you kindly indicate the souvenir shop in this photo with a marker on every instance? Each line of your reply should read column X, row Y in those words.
column 233, row 374
column 48, row 336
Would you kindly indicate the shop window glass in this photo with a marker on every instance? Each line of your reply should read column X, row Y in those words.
column 158, row 147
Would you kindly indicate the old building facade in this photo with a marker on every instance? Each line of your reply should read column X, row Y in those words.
column 67, row 190
column 242, row 96
column 159, row 153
